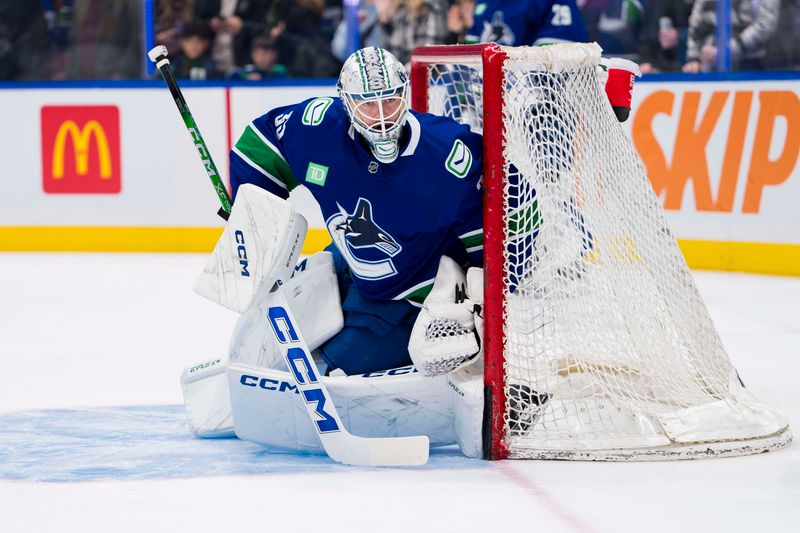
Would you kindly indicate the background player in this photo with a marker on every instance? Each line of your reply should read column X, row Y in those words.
column 527, row 22
column 397, row 189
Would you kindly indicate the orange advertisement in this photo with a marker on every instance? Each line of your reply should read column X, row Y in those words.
column 764, row 163
column 81, row 150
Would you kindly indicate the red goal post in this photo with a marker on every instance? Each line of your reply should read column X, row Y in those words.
column 490, row 57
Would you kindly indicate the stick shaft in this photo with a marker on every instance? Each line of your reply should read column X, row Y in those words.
column 339, row 444
column 197, row 138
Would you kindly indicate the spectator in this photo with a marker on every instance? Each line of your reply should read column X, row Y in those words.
column 369, row 30
column 236, row 23
column 783, row 50
column 526, row 22
column 105, row 40
column 58, row 14
column 410, row 23
column 591, row 10
column 618, row 28
column 753, row 23
column 171, row 17
column 662, row 40
column 459, row 20
column 25, row 48
column 264, row 65
column 332, row 13
column 296, row 28
column 194, row 61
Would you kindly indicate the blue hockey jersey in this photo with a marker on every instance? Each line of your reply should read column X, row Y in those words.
column 391, row 222
column 526, row 22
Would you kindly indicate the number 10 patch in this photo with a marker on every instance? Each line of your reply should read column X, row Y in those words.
column 460, row 159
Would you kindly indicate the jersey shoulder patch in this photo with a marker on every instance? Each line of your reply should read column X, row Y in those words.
column 315, row 110
column 459, row 161
column 449, row 143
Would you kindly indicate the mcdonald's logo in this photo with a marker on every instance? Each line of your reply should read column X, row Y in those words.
column 81, row 150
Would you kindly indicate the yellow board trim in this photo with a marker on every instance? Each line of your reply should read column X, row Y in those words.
column 125, row 239
column 763, row 258
column 755, row 257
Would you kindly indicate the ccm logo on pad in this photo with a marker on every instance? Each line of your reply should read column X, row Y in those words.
column 268, row 384
column 241, row 251
column 81, row 150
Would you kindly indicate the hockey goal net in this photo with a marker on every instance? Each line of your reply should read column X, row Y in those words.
column 597, row 343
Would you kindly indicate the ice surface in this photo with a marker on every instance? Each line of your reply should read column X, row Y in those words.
column 92, row 436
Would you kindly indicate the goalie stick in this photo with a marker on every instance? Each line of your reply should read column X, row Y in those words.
column 158, row 55
column 339, row 444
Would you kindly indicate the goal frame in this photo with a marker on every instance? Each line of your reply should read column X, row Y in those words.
column 492, row 57
column 726, row 421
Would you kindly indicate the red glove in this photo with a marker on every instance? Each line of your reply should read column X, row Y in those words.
column 619, row 85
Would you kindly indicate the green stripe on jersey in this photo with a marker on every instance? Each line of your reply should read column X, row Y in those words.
column 252, row 146
column 418, row 296
column 473, row 240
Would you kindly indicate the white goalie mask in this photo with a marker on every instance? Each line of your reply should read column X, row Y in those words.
column 373, row 87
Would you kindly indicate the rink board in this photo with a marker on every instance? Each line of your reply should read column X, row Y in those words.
column 110, row 167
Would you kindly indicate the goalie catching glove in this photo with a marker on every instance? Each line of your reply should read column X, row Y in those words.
column 446, row 335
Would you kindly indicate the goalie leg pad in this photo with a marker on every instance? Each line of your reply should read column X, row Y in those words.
column 312, row 294
column 269, row 409
column 206, row 398
column 466, row 387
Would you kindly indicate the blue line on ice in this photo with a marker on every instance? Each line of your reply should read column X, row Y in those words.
column 146, row 442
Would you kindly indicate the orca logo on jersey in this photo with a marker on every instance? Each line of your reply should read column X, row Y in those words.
column 497, row 31
column 356, row 231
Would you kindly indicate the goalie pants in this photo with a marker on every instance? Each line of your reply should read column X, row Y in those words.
column 375, row 334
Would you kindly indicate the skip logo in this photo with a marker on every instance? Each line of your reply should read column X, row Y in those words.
column 241, row 252
column 302, row 368
column 363, row 243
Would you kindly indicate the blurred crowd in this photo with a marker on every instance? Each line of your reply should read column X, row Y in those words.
column 274, row 39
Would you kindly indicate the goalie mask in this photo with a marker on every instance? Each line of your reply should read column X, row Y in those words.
column 373, row 87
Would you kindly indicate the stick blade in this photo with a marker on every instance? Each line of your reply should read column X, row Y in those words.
column 400, row 451
column 391, row 451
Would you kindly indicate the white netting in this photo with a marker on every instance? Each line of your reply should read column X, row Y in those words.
column 608, row 344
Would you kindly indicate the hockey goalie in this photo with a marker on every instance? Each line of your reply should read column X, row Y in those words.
column 400, row 194
column 375, row 345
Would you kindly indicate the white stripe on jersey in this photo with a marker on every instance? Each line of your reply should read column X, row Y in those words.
column 413, row 123
column 470, row 233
